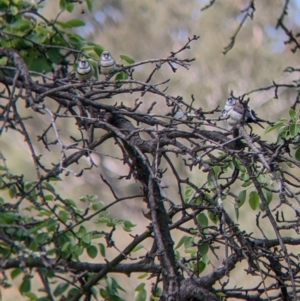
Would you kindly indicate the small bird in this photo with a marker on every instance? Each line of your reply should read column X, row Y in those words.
column 84, row 70
column 234, row 111
column 107, row 64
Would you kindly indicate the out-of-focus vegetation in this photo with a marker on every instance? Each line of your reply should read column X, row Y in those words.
column 69, row 150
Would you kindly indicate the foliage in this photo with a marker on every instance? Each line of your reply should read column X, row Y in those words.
column 51, row 237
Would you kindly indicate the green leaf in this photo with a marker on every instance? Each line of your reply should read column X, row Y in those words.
column 297, row 154
column 49, row 187
column 60, row 289
column 203, row 249
column 98, row 49
column 138, row 247
column 142, row 276
column 92, row 251
column 242, row 198
column 72, row 23
column 127, row 59
column 63, row 215
column 102, row 249
column 12, row 191
column 237, row 212
column 202, row 219
column 268, row 195
column 51, row 225
column 25, row 285
column 292, row 113
column 292, row 130
column 188, row 241
column 181, row 241
column 65, row 246
column 188, row 191
column 14, row 10
column 89, row 4
column 49, row 197
column 70, row 7
column 213, row 217
column 140, row 295
column 221, row 294
column 62, row 4
column 31, row 296
column 253, row 200
column 127, row 225
column 87, row 238
column 246, row 183
column 199, row 267
column 277, row 124
column 97, row 206
column 15, row 273
column 140, row 287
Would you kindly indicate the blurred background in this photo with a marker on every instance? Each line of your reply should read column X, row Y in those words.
column 151, row 30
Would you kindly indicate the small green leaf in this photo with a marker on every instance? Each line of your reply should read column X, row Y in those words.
column 102, row 249
column 140, row 295
column 242, row 198
column 142, row 276
column 292, row 113
column 51, row 225
column 297, row 154
column 62, row 4
column 127, row 225
column 270, row 128
column 181, row 241
column 203, row 249
column 25, row 285
column 89, row 4
column 221, row 294
column 268, row 195
column 199, row 267
column 188, row 241
column 138, row 247
column 49, row 187
column 127, row 59
column 98, row 49
column 72, row 23
column 292, row 130
column 246, row 183
column 14, row 10
column 63, row 215
column 60, row 289
column 92, row 251
column 30, row 296
column 237, row 212
column 70, row 7
column 87, row 238
column 140, row 287
column 15, row 273
column 253, row 200
column 97, row 206
column 202, row 219
column 12, row 191
column 49, row 197
column 213, row 217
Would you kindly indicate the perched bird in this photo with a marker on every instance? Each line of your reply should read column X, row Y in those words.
column 107, row 64
column 234, row 110
column 84, row 70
